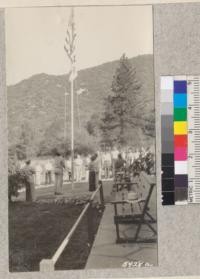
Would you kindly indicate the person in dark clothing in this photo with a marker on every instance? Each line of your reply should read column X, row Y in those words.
column 119, row 171
column 59, row 166
column 120, row 163
column 93, row 173
column 30, row 188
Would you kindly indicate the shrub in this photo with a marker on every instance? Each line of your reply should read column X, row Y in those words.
column 15, row 182
column 144, row 163
column 16, row 177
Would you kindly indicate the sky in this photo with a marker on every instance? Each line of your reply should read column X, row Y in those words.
column 35, row 38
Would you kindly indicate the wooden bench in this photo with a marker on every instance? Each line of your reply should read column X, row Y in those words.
column 143, row 191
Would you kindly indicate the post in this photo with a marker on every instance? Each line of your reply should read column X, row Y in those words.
column 101, row 194
column 47, row 265
column 90, row 222
column 116, row 223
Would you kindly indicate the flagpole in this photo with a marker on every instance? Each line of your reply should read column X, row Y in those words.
column 72, row 131
column 65, row 119
column 78, row 110
column 70, row 48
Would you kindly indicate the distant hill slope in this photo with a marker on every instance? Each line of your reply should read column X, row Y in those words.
column 39, row 100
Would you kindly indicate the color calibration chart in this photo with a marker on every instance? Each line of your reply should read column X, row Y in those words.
column 180, row 139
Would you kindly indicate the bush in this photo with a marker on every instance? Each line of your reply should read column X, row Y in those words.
column 144, row 163
column 16, row 177
column 15, row 182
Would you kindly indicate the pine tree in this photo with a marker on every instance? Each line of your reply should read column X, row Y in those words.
column 119, row 107
column 25, row 147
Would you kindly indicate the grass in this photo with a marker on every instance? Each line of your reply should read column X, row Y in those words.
column 37, row 229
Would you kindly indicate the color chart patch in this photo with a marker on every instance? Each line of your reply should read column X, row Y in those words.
column 180, row 139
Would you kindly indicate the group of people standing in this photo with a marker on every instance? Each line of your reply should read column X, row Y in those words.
column 58, row 169
column 91, row 168
column 128, row 155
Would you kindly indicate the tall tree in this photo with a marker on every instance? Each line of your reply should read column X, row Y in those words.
column 119, row 107
column 25, row 146
column 149, row 126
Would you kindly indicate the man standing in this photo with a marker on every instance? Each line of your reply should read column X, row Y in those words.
column 87, row 161
column 93, row 172
column 114, row 154
column 38, row 172
column 30, row 189
column 69, row 167
column 59, row 166
column 48, row 172
column 107, row 162
column 78, row 162
column 120, row 163
column 130, row 157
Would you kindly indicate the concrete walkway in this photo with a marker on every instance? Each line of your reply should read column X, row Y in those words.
column 106, row 253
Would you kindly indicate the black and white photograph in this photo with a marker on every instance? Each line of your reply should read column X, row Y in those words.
column 81, row 138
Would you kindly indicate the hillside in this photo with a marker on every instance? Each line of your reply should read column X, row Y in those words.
column 38, row 102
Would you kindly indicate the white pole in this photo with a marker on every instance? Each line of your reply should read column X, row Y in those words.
column 65, row 124
column 72, row 131
column 69, row 48
column 78, row 110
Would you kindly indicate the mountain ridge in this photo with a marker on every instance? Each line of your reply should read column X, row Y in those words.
column 39, row 100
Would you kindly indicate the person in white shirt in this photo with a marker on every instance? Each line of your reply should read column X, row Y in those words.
column 22, row 164
column 123, row 153
column 87, row 162
column 137, row 154
column 107, row 162
column 143, row 152
column 83, row 168
column 38, row 173
column 114, row 154
column 78, row 162
column 43, row 173
column 99, row 159
column 130, row 157
column 48, row 172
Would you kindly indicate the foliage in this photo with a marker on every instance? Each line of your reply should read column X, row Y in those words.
column 24, row 147
column 15, row 182
column 84, row 143
column 21, row 151
column 149, row 127
column 119, row 107
column 92, row 126
column 16, row 177
column 144, row 163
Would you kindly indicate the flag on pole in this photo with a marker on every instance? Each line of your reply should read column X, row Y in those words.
column 81, row 91
column 69, row 46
